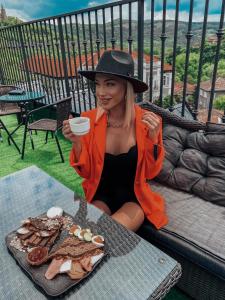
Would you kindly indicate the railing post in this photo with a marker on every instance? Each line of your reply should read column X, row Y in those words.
column 1, row 74
column 24, row 57
column 223, row 117
column 189, row 36
column 174, row 54
column 219, row 34
column 140, row 42
column 151, row 52
column 163, row 37
column 1, row 64
column 63, row 52
column 196, row 100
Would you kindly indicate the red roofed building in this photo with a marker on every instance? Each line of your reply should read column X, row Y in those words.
column 53, row 68
column 178, row 89
column 216, row 116
column 212, row 39
column 205, row 91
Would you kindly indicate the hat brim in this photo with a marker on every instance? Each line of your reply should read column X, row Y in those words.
column 138, row 85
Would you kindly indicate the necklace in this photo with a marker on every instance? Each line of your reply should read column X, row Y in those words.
column 113, row 125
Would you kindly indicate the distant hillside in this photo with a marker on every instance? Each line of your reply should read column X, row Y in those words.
column 212, row 27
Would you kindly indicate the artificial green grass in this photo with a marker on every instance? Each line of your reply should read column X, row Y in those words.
column 47, row 158
column 44, row 156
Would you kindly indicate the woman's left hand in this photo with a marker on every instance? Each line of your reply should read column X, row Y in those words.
column 153, row 124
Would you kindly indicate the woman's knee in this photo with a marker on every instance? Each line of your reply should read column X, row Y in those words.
column 102, row 206
column 134, row 211
column 130, row 215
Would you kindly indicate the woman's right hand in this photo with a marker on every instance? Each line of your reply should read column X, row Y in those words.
column 69, row 135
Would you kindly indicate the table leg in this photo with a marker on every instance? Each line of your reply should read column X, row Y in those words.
column 10, row 137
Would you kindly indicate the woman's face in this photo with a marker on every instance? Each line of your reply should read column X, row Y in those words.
column 110, row 90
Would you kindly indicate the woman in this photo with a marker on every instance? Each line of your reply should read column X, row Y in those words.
column 119, row 153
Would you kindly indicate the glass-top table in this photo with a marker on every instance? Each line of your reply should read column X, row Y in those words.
column 26, row 97
column 133, row 270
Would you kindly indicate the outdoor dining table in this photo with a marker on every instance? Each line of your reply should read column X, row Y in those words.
column 133, row 268
column 23, row 100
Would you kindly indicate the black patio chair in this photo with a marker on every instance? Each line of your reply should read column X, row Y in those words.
column 8, row 109
column 63, row 108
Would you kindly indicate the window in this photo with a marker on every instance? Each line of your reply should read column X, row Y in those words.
column 166, row 80
column 147, row 78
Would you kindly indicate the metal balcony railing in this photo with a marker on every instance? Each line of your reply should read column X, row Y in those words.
column 46, row 54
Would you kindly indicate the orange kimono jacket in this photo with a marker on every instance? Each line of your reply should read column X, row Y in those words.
column 90, row 164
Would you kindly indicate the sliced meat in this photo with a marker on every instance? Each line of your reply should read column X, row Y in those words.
column 86, row 263
column 76, row 272
column 30, row 240
column 46, row 233
column 37, row 241
column 37, row 223
column 53, row 268
column 31, row 228
column 25, row 236
column 52, row 239
column 44, row 241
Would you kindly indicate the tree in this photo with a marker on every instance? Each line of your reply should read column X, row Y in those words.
column 219, row 103
column 166, row 102
column 9, row 21
column 221, row 68
column 147, row 51
column 192, row 67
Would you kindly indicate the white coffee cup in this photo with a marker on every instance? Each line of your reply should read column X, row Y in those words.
column 80, row 125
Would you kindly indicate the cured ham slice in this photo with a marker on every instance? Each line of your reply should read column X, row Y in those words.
column 86, row 263
column 76, row 272
column 54, row 268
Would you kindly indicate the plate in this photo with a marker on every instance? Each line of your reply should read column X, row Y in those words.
column 62, row 282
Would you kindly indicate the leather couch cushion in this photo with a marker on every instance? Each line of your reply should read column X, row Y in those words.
column 195, row 162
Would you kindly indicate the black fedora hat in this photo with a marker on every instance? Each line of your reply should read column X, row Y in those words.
column 118, row 63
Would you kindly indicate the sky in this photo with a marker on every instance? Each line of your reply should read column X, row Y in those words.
column 28, row 10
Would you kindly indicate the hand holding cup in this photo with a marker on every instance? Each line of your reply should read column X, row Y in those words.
column 73, row 128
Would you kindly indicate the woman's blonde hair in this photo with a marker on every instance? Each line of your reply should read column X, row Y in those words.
column 129, row 106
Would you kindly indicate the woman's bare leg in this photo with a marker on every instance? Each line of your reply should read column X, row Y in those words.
column 101, row 205
column 130, row 215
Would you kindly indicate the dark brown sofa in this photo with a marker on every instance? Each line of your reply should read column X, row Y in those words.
column 192, row 182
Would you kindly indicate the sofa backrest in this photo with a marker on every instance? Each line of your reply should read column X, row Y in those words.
column 195, row 156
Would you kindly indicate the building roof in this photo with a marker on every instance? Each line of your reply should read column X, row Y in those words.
column 40, row 64
column 178, row 88
column 219, row 86
column 167, row 68
column 50, row 67
column 215, row 116
column 212, row 39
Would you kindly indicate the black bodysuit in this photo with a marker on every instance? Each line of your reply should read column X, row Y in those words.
column 117, row 181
